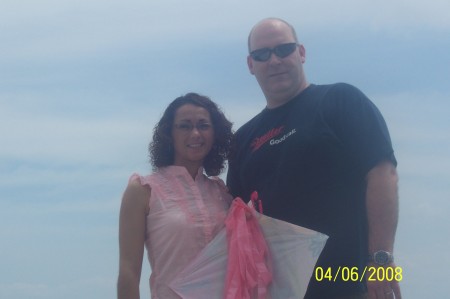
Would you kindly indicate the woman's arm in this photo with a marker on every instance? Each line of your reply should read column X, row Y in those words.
column 133, row 212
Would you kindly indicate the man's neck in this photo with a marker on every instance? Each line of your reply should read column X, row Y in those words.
column 274, row 102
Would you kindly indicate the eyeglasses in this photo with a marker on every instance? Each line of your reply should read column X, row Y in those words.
column 188, row 127
column 281, row 51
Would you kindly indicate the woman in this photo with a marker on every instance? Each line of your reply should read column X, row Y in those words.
column 176, row 211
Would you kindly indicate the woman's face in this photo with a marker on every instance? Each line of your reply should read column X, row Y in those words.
column 192, row 136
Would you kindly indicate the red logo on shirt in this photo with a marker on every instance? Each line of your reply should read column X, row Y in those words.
column 259, row 141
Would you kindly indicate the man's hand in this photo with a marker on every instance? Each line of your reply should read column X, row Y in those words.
column 384, row 289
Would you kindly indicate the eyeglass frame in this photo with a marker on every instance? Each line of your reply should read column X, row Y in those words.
column 187, row 127
column 275, row 50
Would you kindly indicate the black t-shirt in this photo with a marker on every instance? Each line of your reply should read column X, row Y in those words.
column 308, row 161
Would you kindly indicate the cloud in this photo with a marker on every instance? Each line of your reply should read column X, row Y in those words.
column 91, row 287
column 419, row 129
column 31, row 133
column 24, row 290
column 49, row 28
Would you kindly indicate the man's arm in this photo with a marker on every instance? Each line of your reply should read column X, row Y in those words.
column 382, row 213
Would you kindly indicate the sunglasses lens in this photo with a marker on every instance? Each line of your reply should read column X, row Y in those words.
column 261, row 54
column 284, row 50
column 281, row 51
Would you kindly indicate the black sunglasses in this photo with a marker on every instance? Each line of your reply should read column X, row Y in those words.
column 281, row 51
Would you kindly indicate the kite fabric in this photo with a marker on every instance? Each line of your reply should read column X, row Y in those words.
column 248, row 267
column 238, row 263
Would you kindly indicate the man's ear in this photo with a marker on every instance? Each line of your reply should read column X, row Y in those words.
column 250, row 64
column 302, row 51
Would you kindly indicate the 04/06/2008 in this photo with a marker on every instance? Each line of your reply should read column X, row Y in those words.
column 353, row 274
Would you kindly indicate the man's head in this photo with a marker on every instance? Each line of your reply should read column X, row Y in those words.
column 276, row 59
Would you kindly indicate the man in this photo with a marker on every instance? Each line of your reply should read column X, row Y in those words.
column 320, row 156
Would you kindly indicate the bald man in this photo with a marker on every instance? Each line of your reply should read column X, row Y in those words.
column 320, row 156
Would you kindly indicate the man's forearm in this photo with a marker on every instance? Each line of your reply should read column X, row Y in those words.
column 382, row 206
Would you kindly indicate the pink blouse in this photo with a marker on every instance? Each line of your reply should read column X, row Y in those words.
column 185, row 215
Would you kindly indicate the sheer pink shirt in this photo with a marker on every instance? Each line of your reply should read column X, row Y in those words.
column 185, row 215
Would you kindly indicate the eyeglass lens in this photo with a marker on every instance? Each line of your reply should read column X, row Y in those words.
column 187, row 127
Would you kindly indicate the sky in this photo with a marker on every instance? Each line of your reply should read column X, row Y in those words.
column 82, row 84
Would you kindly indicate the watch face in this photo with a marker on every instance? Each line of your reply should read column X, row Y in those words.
column 381, row 257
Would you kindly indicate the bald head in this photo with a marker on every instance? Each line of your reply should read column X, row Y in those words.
column 281, row 77
column 273, row 22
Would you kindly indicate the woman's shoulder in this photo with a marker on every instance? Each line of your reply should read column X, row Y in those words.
column 141, row 180
column 220, row 185
column 218, row 181
column 137, row 189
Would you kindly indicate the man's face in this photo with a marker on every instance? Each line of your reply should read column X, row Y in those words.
column 280, row 78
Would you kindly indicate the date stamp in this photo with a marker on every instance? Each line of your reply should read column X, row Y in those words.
column 354, row 274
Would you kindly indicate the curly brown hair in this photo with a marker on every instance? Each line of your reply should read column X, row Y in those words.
column 161, row 148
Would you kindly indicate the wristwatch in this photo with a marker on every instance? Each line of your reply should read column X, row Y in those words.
column 381, row 257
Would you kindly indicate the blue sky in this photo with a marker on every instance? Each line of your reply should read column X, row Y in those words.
column 83, row 82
